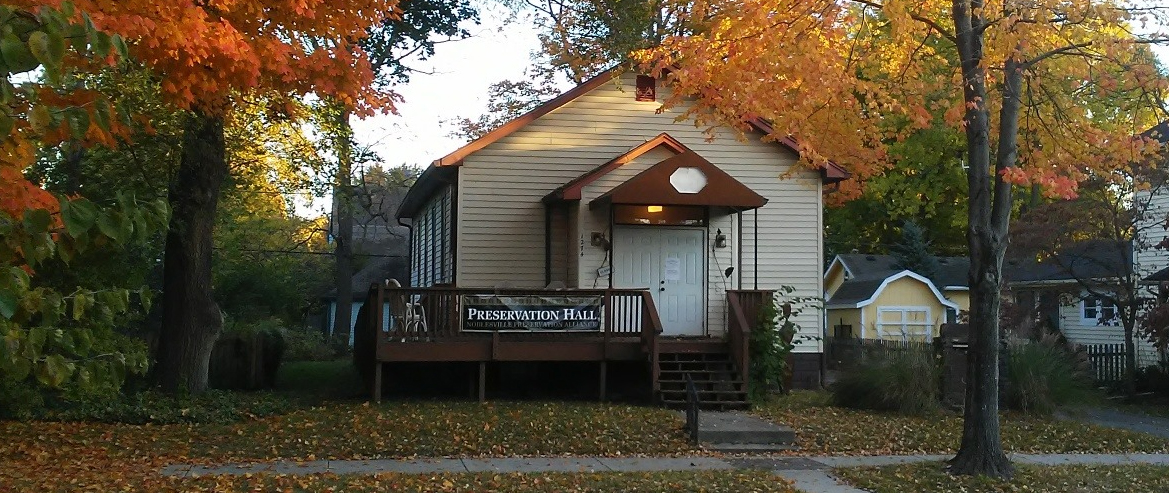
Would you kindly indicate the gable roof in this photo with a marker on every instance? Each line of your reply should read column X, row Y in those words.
column 831, row 173
column 572, row 189
column 1085, row 260
column 951, row 273
column 653, row 186
column 1159, row 132
column 863, row 292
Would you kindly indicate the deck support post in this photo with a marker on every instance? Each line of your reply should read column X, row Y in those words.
column 377, row 382
column 604, row 377
column 482, row 381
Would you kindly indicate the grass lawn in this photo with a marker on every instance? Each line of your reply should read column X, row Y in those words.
column 337, row 379
column 689, row 481
column 823, row 429
column 931, row 477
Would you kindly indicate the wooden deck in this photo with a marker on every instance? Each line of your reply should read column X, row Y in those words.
column 431, row 325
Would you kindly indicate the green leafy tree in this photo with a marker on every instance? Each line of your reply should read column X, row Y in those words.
column 57, row 339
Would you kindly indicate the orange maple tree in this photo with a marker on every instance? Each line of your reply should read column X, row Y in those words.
column 205, row 53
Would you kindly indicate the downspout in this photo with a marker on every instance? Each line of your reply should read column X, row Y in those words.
column 547, row 244
column 739, row 251
column 756, row 233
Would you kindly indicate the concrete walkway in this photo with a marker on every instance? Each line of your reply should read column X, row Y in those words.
column 1113, row 418
column 810, row 474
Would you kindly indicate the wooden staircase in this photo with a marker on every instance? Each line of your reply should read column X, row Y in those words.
column 715, row 377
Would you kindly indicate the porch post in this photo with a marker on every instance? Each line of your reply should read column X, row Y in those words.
column 482, row 381
column 377, row 382
column 604, row 375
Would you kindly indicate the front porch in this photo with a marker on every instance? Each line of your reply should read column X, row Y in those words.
column 442, row 324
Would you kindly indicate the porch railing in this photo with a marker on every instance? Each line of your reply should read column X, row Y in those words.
column 744, row 306
column 435, row 314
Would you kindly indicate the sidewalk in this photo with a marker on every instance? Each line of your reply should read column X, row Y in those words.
column 810, row 474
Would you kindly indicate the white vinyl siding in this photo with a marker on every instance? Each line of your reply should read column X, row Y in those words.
column 1080, row 331
column 430, row 259
column 501, row 219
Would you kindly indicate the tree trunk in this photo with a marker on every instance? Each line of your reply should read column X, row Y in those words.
column 191, row 319
column 343, row 218
column 1130, row 354
column 981, row 451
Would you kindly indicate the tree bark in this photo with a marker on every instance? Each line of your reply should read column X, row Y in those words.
column 343, row 218
column 981, row 451
column 1130, row 347
column 191, row 320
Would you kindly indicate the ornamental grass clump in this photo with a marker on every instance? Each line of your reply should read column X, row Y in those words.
column 1043, row 375
column 903, row 381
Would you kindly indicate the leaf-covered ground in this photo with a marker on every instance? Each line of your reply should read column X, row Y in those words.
column 827, row 430
column 51, row 455
column 931, row 477
column 689, row 481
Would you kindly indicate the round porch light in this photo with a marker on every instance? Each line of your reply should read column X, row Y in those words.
column 688, row 180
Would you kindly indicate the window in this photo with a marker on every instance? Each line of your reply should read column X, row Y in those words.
column 1098, row 311
column 904, row 323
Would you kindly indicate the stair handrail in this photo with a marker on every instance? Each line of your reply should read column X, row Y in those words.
column 739, row 338
column 691, row 410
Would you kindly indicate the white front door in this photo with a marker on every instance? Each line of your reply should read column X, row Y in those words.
column 671, row 264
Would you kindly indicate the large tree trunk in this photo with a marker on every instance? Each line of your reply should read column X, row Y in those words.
column 343, row 218
column 191, row 319
column 981, row 451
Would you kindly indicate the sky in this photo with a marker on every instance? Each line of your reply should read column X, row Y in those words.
column 451, row 84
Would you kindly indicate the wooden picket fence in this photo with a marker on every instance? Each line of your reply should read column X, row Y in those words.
column 841, row 353
column 1108, row 361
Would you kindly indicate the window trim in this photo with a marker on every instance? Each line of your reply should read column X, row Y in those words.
column 928, row 323
column 1099, row 306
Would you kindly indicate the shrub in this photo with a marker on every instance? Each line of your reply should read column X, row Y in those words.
column 310, row 345
column 904, row 381
column 1043, row 375
column 1153, row 379
column 769, row 345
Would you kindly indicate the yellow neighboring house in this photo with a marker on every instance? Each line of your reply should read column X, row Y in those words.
column 868, row 297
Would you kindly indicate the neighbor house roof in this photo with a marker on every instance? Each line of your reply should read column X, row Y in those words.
column 858, row 293
column 951, row 273
column 1159, row 276
column 1085, row 260
column 830, row 173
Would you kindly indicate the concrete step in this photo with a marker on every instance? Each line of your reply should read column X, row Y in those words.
column 749, row 448
column 742, row 428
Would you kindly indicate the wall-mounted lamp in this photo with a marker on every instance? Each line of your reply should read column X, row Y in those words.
column 654, row 208
column 598, row 239
column 720, row 240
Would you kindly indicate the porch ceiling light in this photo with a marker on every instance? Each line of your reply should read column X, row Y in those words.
column 688, row 180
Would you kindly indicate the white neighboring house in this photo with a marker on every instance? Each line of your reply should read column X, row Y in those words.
column 1072, row 291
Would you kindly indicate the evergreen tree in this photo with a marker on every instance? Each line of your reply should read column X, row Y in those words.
column 913, row 252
